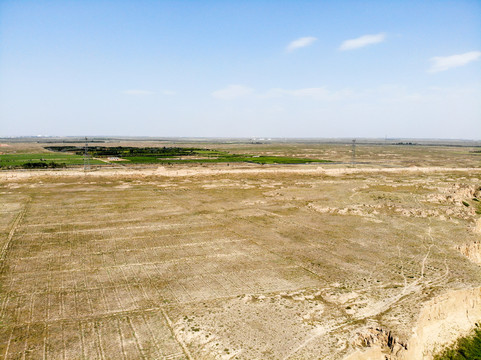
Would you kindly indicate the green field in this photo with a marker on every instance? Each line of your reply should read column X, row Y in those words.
column 63, row 159
column 173, row 155
column 222, row 159
column 21, row 160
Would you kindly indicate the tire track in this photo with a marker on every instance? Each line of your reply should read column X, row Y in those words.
column 11, row 234
column 179, row 340
column 136, row 338
column 121, row 337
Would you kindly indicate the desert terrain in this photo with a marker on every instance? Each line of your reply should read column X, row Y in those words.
column 374, row 259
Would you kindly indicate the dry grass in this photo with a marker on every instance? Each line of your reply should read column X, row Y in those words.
column 234, row 265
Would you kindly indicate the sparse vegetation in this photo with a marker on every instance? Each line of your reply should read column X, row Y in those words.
column 467, row 348
column 268, row 262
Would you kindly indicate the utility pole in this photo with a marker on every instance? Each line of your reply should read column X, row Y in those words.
column 86, row 157
column 353, row 159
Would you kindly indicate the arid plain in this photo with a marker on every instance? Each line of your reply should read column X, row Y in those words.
column 380, row 259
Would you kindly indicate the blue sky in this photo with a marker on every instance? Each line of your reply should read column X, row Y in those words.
column 241, row 68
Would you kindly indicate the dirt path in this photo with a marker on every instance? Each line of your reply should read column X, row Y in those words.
column 203, row 171
column 379, row 307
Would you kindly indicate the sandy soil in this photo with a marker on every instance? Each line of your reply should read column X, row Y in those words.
column 248, row 170
column 238, row 262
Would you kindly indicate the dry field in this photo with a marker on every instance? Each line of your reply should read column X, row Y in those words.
column 244, row 262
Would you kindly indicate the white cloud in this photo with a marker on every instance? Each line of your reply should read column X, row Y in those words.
column 316, row 93
column 300, row 43
column 443, row 63
column 362, row 41
column 232, row 92
column 137, row 92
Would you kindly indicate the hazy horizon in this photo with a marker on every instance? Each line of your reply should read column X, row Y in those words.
column 91, row 138
column 256, row 69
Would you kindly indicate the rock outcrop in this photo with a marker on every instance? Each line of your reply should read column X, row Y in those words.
column 472, row 251
column 442, row 320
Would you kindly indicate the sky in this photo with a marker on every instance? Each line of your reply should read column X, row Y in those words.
column 264, row 69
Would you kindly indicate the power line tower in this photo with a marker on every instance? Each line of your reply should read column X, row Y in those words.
column 86, row 156
column 353, row 159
